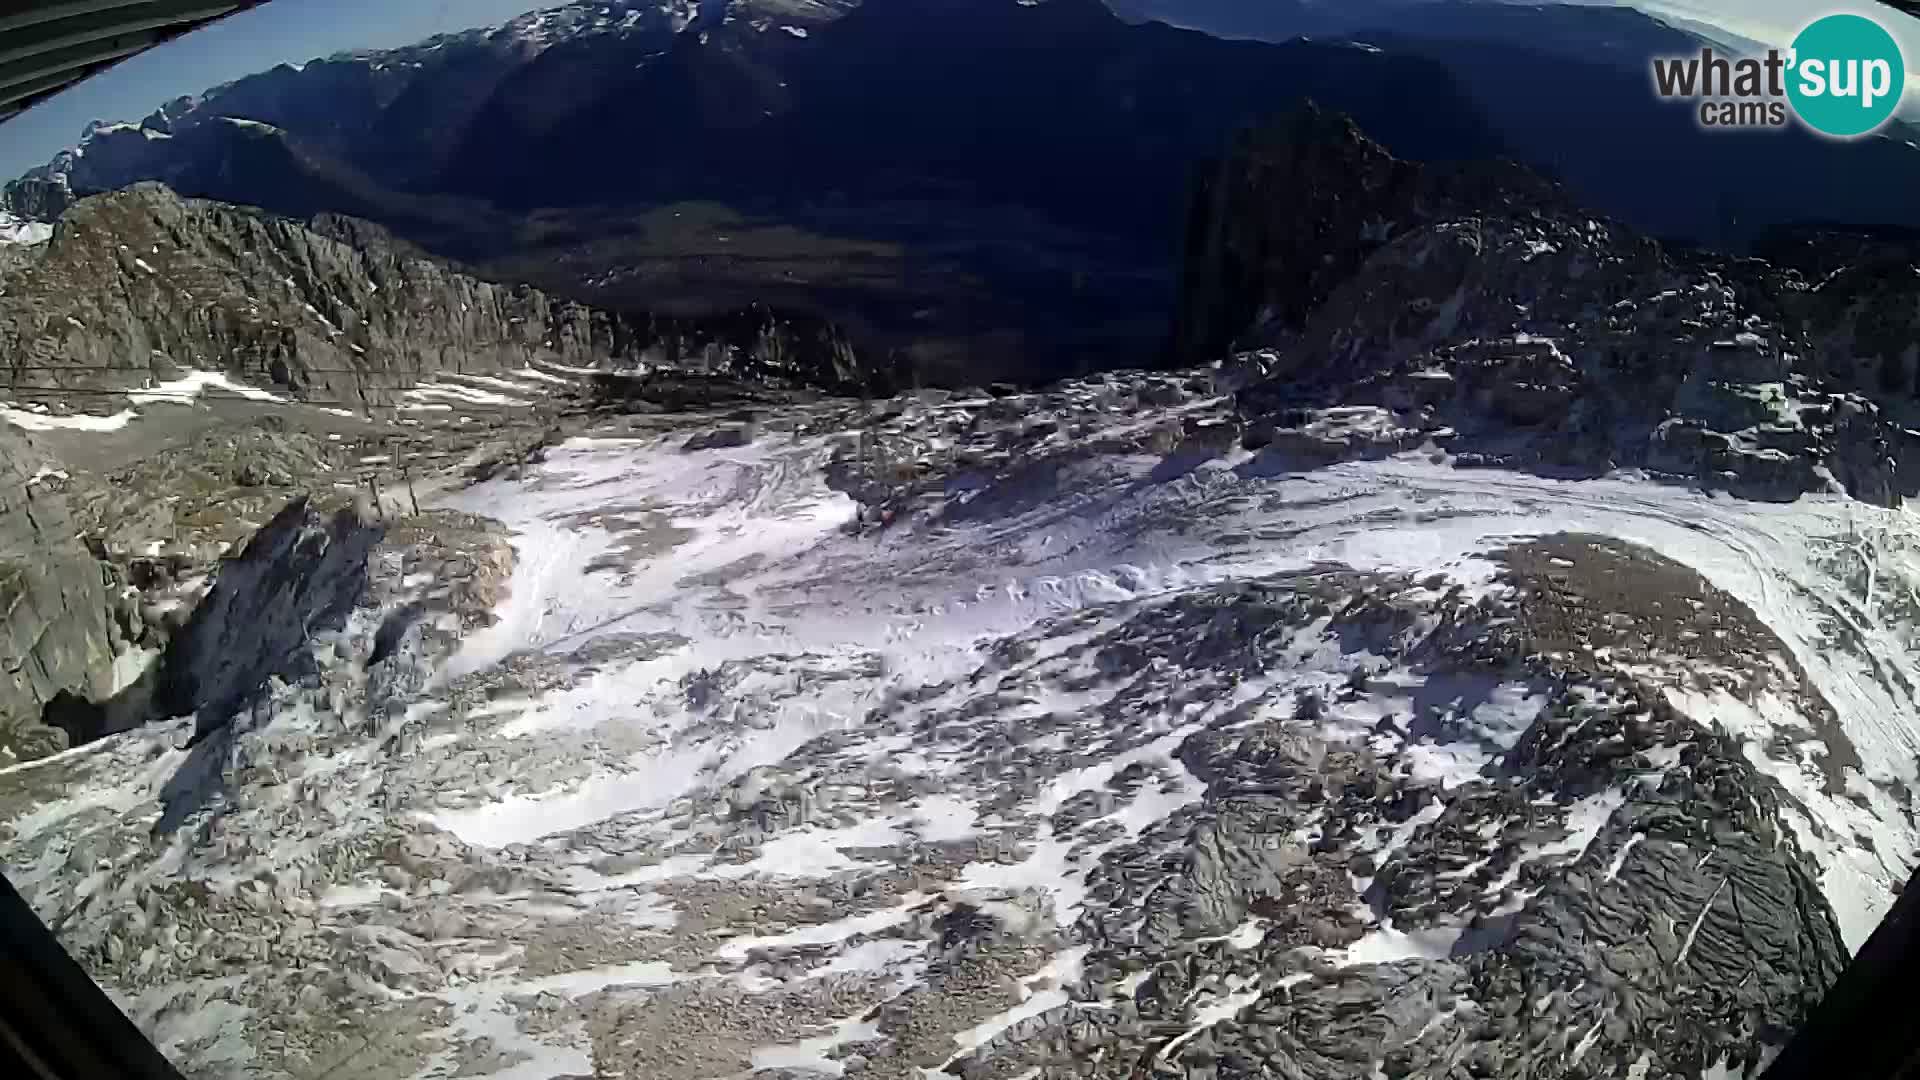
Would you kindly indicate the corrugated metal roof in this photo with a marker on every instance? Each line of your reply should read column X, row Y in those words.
column 48, row 45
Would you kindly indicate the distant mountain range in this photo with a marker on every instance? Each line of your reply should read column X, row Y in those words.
column 1568, row 89
column 997, row 184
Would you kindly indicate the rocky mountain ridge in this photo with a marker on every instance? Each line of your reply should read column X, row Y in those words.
column 140, row 286
column 1597, row 128
column 1482, row 308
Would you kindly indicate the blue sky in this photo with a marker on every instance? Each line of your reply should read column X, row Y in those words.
column 297, row 30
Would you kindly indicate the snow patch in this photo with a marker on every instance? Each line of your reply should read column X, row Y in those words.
column 22, row 231
column 188, row 389
column 38, row 421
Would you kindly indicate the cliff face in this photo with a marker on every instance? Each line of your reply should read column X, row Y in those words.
column 1492, row 315
column 301, row 574
column 1244, row 261
column 56, row 618
column 142, row 284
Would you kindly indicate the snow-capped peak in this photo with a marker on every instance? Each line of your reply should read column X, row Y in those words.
column 524, row 38
column 542, row 29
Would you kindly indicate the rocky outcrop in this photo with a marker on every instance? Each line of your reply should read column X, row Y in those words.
column 1857, row 1018
column 37, row 197
column 1482, row 309
column 300, row 576
column 1243, row 261
column 140, row 286
column 972, row 454
column 57, row 629
column 1614, row 883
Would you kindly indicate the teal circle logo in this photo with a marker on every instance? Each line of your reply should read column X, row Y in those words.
column 1847, row 75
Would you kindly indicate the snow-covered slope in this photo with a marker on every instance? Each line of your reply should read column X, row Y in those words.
column 1144, row 756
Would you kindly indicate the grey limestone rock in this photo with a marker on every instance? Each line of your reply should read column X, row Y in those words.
column 1479, row 307
column 57, row 629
